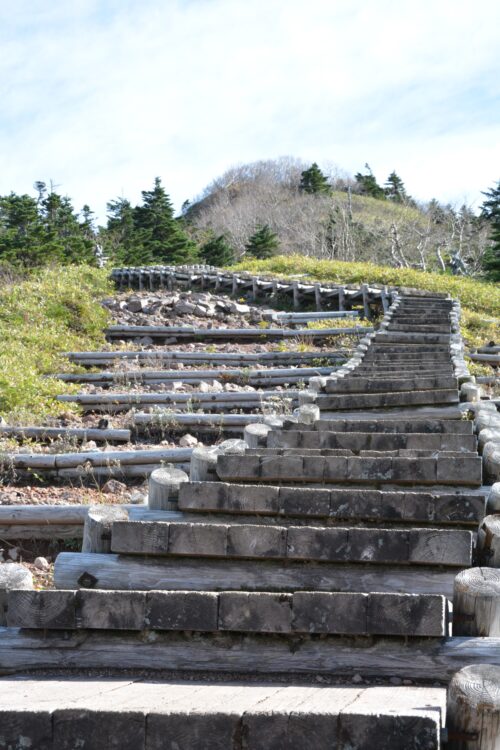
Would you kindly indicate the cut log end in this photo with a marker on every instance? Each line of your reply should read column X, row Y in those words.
column 164, row 486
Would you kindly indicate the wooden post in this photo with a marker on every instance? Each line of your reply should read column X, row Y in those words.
column 476, row 602
column 341, row 299
column 255, row 435
column 317, row 296
column 488, row 541
column 366, row 299
column 384, row 299
column 255, row 289
column 296, row 295
column 473, row 708
column 308, row 413
column 203, row 462
column 234, row 285
column 164, row 486
column 12, row 576
column 97, row 528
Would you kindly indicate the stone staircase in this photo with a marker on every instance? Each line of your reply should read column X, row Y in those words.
column 328, row 554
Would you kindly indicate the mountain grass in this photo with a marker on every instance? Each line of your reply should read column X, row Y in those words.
column 51, row 311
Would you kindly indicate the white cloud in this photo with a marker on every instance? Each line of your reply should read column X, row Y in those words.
column 103, row 96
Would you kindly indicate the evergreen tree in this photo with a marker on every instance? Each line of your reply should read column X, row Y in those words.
column 217, row 252
column 63, row 233
column 263, row 243
column 368, row 184
column 395, row 189
column 313, row 180
column 160, row 234
column 490, row 211
column 121, row 240
column 21, row 231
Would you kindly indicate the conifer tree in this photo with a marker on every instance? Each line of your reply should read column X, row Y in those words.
column 395, row 189
column 263, row 243
column 369, row 185
column 313, row 180
column 161, row 235
column 217, row 252
column 490, row 211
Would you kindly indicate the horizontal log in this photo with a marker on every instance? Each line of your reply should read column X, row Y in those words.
column 178, row 398
column 190, row 332
column 113, row 471
column 426, row 659
column 57, row 461
column 175, row 420
column 124, row 572
column 201, row 357
column 79, row 433
column 491, row 359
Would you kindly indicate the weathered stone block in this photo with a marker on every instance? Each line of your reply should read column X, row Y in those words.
column 255, row 612
column 181, row 610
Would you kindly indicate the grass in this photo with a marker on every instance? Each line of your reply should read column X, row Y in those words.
column 480, row 300
column 52, row 311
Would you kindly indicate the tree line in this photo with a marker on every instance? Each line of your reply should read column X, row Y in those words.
column 259, row 209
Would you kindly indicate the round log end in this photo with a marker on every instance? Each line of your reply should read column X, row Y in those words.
column 473, row 707
column 164, row 486
column 255, row 435
column 493, row 502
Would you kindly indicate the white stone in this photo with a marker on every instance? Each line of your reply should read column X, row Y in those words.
column 188, row 441
column 41, row 563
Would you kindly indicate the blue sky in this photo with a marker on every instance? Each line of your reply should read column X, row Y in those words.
column 101, row 96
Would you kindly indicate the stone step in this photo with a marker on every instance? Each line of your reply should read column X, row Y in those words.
column 388, row 425
column 377, row 400
column 383, row 337
column 371, row 441
column 414, row 546
column 413, row 371
column 124, row 572
column 404, row 327
column 347, row 452
column 401, row 354
column 96, row 713
column 338, row 504
column 335, row 613
column 439, row 411
column 460, row 470
column 389, row 385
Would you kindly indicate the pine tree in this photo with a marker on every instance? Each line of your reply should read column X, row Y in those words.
column 217, row 252
column 395, row 189
column 313, row 180
column 63, row 232
column 263, row 242
column 121, row 241
column 160, row 234
column 369, row 185
column 21, row 231
column 490, row 211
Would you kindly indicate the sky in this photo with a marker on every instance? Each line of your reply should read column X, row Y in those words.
column 101, row 96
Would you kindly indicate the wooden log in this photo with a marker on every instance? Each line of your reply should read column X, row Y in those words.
column 131, row 399
column 308, row 414
column 493, row 501
column 117, row 471
column 488, row 541
column 476, row 602
column 96, row 358
column 255, row 435
column 12, row 576
column 186, row 332
column 51, row 433
column 51, row 531
column 473, row 708
column 97, row 528
column 123, row 572
column 175, row 420
column 19, row 515
column 203, row 464
column 124, row 458
column 163, row 488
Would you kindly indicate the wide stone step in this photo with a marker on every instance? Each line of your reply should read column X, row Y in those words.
column 413, row 546
column 125, row 572
column 388, row 425
column 376, row 400
column 462, row 470
column 347, row 452
column 336, row 613
column 65, row 713
column 336, row 504
column 411, row 338
column 371, row 441
column 389, row 385
column 403, row 327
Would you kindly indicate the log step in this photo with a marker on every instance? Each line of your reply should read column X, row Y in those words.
column 389, row 385
column 388, row 425
column 412, row 615
column 123, row 572
column 376, row 400
column 137, row 714
column 372, row 441
column 338, row 504
column 453, row 470
column 450, row 547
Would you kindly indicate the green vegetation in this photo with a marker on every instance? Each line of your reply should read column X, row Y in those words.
column 263, row 243
column 52, row 310
column 491, row 212
column 217, row 251
column 313, row 180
